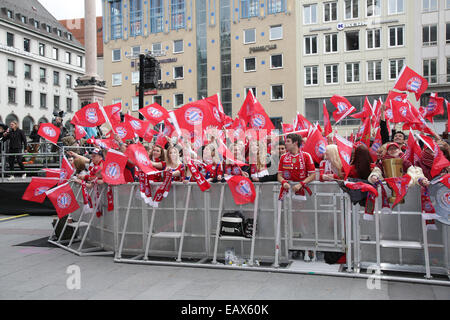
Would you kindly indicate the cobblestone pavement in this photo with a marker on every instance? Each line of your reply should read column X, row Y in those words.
column 41, row 273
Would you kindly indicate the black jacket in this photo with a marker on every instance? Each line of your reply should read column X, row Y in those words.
column 16, row 138
column 34, row 136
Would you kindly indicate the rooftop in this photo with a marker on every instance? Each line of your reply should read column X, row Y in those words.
column 76, row 26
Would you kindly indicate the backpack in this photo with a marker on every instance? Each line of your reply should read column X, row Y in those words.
column 232, row 224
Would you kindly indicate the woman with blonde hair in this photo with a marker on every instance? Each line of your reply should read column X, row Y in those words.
column 175, row 165
column 257, row 160
column 331, row 166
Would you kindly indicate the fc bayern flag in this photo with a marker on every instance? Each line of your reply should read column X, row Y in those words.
column 63, row 200
column 140, row 127
column 217, row 108
column 113, row 112
column 52, row 173
column 138, row 155
column 124, row 130
column 413, row 151
column 377, row 143
column 434, row 107
column 163, row 134
column 366, row 112
column 316, row 146
column 440, row 161
column 38, row 187
column 448, row 115
column 401, row 112
column 301, row 123
column 114, row 167
column 287, row 128
column 66, row 170
column 109, row 143
column 345, row 148
column 326, row 120
column 254, row 115
column 49, row 132
column 343, row 108
column 409, row 80
column 242, row 189
column 194, row 114
column 79, row 132
column 89, row 116
column 400, row 187
column 154, row 113
column 364, row 132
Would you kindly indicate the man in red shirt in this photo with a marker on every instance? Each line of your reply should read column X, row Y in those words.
column 295, row 165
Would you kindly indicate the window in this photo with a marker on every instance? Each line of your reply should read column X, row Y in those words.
column 396, row 35
column 42, row 49
column 447, row 32
column 373, row 8
column 429, row 35
column 156, row 16
column 331, row 74
column 330, row 11
column 28, row 98
column 116, row 100
column 55, row 54
column 116, row 19
column 331, row 43
column 69, row 104
column 311, row 75
column 249, row 36
column 56, row 102
column 374, row 70
column 56, row 78
column 352, row 70
column 42, row 75
column 276, row 61
column 116, row 79
column 49, row 29
column 178, row 46
column 26, row 44
column 11, row 68
column 430, row 70
column 178, row 99
column 135, row 17
column 447, row 4
column 43, row 101
column 352, row 41
column 12, row 95
column 178, row 72
column 68, row 57
column 23, row 19
column 249, row 8
column 249, row 64
column 159, row 75
column 27, row 71
column 135, row 104
column 276, row 32
column 177, row 13
column 311, row 44
column 351, row 9
column 373, row 38
column 430, row 5
column 136, row 51
column 395, row 66
column 69, row 36
column 157, row 99
column 156, row 48
column 59, row 33
column 276, row 92
column 276, row 6
column 10, row 14
column 80, row 61
column 310, row 14
column 135, row 77
column 253, row 91
column 448, row 69
column 36, row 24
column 116, row 55
column 396, row 6
column 9, row 39
column 68, row 81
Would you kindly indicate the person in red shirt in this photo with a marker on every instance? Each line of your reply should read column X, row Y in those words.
column 296, row 165
column 175, row 165
column 331, row 166
column 157, row 158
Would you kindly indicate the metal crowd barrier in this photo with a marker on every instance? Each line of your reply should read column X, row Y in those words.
column 184, row 231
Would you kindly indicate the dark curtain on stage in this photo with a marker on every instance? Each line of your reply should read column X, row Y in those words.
column 11, row 202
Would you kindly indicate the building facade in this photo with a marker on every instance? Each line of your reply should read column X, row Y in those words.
column 42, row 59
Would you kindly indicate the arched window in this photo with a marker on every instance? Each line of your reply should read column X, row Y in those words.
column 11, row 117
column 27, row 125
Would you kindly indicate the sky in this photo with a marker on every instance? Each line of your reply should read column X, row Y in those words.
column 68, row 9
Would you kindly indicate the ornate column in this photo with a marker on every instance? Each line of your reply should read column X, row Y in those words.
column 90, row 87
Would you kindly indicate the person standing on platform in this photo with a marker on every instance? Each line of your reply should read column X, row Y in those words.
column 17, row 143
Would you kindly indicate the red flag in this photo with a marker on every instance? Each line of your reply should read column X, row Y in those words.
column 377, row 113
column 227, row 154
column 253, row 113
column 114, row 167
column 445, row 180
column 124, row 130
column 202, row 183
column 63, row 200
column 36, row 189
column 89, row 116
column 301, row 123
column 448, row 115
column 242, row 189
column 49, row 132
column 52, row 173
column 104, row 143
column 409, row 80
column 66, row 170
column 366, row 112
column 316, row 146
column 138, row 155
column 217, row 108
column 435, row 107
column 440, row 161
column 401, row 112
column 79, row 132
column 364, row 132
column 343, row 108
column 167, row 132
column 413, row 151
column 198, row 113
column 154, row 113
column 397, row 96
column 377, row 143
column 364, row 187
column 113, row 112
column 345, row 148
column 140, row 127
column 400, row 187
column 326, row 120
column 287, row 128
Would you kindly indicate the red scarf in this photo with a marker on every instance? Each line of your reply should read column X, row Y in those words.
column 428, row 211
column 199, row 178
column 148, row 190
column 163, row 188
column 110, row 197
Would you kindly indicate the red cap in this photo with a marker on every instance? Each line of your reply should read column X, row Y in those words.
column 392, row 144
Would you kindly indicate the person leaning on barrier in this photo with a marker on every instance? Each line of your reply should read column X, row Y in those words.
column 95, row 167
column 210, row 167
column 258, row 159
column 17, row 140
column 175, row 165
column 331, row 167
